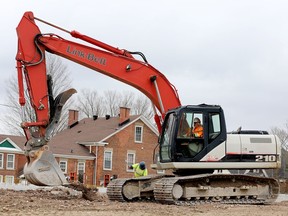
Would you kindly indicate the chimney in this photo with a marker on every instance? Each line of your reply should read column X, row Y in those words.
column 124, row 115
column 73, row 118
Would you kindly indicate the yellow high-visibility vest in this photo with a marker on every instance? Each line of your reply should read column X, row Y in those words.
column 139, row 172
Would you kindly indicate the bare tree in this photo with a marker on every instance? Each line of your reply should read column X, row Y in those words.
column 90, row 103
column 59, row 73
column 142, row 106
column 112, row 102
column 18, row 114
column 126, row 99
column 283, row 136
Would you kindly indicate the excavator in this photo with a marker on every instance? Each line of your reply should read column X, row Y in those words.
column 192, row 159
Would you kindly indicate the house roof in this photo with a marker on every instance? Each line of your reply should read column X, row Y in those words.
column 16, row 140
column 71, row 142
column 86, row 131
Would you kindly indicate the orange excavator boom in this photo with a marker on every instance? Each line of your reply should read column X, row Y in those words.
column 116, row 63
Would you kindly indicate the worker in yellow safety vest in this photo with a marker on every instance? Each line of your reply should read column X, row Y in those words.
column 139, row 169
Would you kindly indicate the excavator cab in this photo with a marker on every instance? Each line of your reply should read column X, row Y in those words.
column 181, row 141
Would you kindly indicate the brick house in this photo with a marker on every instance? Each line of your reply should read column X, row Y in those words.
column 93, row 150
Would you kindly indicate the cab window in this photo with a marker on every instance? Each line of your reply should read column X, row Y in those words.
column 214, row 126
column 186, row 124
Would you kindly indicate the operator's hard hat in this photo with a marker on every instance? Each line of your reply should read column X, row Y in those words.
column 197, row 120
column 142, row 165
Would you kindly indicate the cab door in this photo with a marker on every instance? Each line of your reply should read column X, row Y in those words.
column 166, row 140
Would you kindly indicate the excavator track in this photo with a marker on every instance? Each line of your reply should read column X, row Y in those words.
column 131, row 189
column 114, row 190
column 222, row 188
column 198, row 189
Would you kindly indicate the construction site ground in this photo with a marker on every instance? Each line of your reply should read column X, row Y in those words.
column 65, row 201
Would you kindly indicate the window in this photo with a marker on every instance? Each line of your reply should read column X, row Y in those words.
column 81, row 171
column 165, row 139
column 10, row 161
column 107, row 160
column 138, row 134
column 1, row 178
column 1, row 160
column 81, row 167
column 130, row 160
column 214, row 126
column 63, row 166
column 9, row 179
column 186, row 124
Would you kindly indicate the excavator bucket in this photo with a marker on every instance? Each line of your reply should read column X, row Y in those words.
column 43, row 169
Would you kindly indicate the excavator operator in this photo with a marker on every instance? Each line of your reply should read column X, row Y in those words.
column 185, row 130
column 197, row 129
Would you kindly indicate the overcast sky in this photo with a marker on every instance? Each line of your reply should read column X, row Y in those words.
column 231, row 53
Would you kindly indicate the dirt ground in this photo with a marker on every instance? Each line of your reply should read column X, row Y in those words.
column 64, row 201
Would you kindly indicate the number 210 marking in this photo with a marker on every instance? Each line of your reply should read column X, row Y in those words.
column 266, row 158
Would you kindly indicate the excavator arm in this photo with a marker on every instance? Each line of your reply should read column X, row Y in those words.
column 42, row 168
